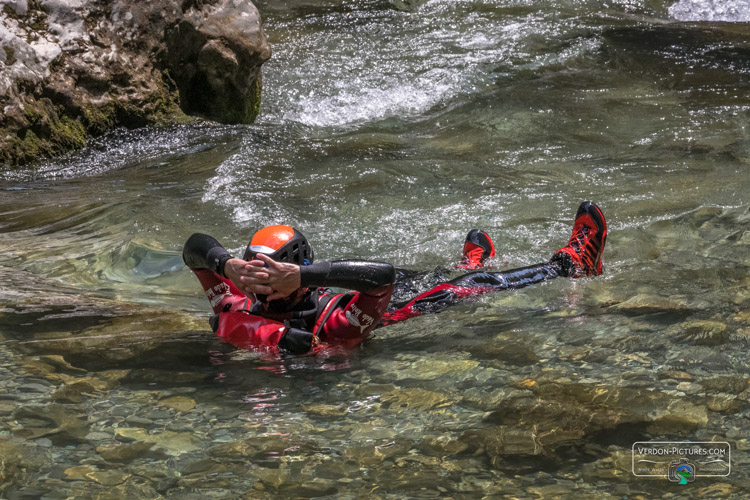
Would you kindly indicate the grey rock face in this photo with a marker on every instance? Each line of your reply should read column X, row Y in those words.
column 74, row 69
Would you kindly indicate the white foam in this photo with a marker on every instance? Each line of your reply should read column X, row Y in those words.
column 393, row 65
column 356, row 105
column 736, row 11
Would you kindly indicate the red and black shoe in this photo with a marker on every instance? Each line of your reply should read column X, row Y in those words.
column 477, row 248
column 583, row 255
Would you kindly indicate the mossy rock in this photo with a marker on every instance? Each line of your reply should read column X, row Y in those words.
column 53, row 130
column 156, row 76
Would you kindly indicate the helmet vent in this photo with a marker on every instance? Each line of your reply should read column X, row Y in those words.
column 281, row 243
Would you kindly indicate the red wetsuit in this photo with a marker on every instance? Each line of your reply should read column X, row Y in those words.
column 341, row 318
column 321, row 316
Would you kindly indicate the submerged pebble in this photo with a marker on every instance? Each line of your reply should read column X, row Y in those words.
column 698, row 332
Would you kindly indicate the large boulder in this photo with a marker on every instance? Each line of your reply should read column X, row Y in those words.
column 77, row 68
column 214, row 56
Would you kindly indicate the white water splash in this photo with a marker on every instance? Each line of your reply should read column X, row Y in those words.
column 123, row 148
column 364, row 66
column 734, row 11
column 360, row 104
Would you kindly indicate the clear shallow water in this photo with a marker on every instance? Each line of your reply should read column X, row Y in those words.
column 388, row 130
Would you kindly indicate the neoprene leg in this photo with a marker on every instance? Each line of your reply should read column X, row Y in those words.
column 410, row 283
column 515, row 278
column 468, row 285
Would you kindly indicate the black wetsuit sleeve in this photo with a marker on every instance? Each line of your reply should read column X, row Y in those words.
column 202, row 251
column 360, row 275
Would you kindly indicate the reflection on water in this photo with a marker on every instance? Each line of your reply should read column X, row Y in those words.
column 388, row 130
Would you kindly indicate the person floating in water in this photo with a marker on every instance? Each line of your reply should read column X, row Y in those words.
column 277, row 297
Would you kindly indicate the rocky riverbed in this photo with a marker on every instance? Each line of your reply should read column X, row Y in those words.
column 99, row 399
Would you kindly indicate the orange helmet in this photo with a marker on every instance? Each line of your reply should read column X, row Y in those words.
column 281, row 243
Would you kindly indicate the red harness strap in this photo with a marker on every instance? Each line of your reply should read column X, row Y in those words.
column 329, row 303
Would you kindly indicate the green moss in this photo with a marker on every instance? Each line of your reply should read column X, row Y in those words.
column 167, row 109
column 253, row 107
column 53, row 130
column 48, row 134
column 27, row 146
column 249, row 112
column 181, row 118
column 22, row 148
column 161, row 108
column 34, row 113
column 30, row 144
column 10, row 56
column 98, row 119
column 67, row 133
column 227, row 109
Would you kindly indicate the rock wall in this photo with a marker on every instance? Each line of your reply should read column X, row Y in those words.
column 72, row 69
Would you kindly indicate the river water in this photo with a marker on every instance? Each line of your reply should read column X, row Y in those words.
column 387, row 131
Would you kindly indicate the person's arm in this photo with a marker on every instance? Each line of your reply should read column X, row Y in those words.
column 360, row 275
column 280, row 279
column 202, row 251
column 207, row 259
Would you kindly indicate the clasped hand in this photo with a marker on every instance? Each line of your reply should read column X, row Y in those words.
column 264, row 276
